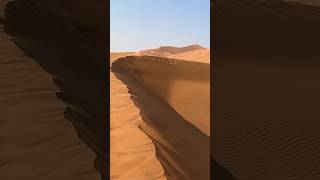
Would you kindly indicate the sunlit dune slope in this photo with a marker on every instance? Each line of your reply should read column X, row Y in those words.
column 173, row 99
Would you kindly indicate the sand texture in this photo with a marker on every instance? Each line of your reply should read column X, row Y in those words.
column 161, row 106
column 38, row 142
column 265, row 98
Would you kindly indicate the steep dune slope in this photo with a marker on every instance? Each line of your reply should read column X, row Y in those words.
column 171, row 90
column 181, row 147
column 132, row 153
column 184, row 85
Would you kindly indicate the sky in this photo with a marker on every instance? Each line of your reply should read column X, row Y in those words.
column 146, row 24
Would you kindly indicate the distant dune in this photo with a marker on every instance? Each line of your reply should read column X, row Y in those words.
column 117, row 55
column 193, row 53
column 199, row 55
column 168, row 51
column 167, row 117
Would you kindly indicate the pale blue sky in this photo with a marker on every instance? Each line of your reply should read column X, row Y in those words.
column 145, row 24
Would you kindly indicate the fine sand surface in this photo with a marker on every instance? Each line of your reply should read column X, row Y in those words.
column 39, row 133
column 164, row 118
column 36, row 140
column 266, row 89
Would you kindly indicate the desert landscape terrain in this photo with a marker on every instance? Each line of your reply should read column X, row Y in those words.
column 265, row 95
column 160, row 114
column 52, row 125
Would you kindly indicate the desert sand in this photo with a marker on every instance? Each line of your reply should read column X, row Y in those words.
column 266, row 89
column 160, row 108
column 43, row 57
column 199, row 55
column 36, row 140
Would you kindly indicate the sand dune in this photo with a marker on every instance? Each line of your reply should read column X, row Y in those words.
column 168, row 51
column 36, row 141
column 199, row 55
column 183, row 85
column 191, row 53
column 171, row 85
column 71, row 45
column 160, row 90
column 265, row 89
column 132, row 153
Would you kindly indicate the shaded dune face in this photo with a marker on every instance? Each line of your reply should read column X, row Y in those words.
column 183, row 85
column 132, row 153
column 265, row 89
column 175, row 118
column 72, row 51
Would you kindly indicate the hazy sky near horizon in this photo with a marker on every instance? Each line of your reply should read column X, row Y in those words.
column 144, row 24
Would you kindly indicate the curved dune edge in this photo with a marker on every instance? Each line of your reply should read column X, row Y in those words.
column 132, row 153
column 73, row 52
column 182, row 149
column 266, row 89
column 168, row 51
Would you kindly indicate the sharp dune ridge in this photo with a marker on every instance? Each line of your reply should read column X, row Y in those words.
column 265, row 78
column 67, row 39
column 176, row 50
column 132, row 153
column 171, row 51
column 153, row 111
column 181, row 139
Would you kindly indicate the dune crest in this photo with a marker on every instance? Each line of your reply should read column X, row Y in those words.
column 169, row 51
column 155, row 89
